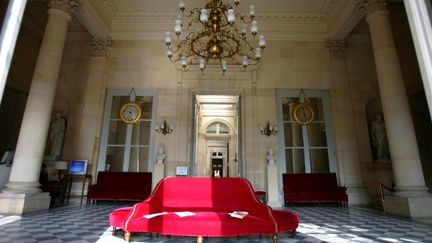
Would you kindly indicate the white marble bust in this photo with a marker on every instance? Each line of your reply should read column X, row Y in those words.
column 160, row 155
column 270, row 157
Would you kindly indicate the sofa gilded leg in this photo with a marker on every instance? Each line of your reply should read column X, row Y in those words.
column 275, row 238
column 127, row 236
column 199, row 239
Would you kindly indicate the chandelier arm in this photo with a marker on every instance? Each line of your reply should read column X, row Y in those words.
column 182, row 43
column 236, row 48
column 192, row 12
column 224, row 23
column 248, row 45
column 191, row 23
column 195, row 40
column 246, row 20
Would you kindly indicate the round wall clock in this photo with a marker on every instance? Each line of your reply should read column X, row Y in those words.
column 303, row 113
column 130, row 113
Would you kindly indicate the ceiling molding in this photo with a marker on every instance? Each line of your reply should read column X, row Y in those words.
column 104, row 18
column 347, row 19
column 96, row 24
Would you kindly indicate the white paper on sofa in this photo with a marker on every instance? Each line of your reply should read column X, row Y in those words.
column 238, row 214
column 185, row 214
column 149, row 216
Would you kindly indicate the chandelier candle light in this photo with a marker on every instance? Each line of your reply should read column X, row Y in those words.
column 218, row 39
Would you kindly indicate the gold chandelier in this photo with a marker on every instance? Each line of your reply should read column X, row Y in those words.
column 217, row 38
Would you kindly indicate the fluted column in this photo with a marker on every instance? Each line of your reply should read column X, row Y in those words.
column 24, row 177
column 408, row 174
column 347, row 148
column 411, row 197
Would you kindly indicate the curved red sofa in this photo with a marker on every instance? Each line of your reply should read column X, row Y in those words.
column 210, row 200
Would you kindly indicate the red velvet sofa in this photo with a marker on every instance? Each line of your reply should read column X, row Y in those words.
column 209, row 200
column 313, row 187
column 126, row 186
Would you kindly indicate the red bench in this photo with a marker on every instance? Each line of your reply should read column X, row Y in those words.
column 209, row 202
column 125, row 186
column 313, row 187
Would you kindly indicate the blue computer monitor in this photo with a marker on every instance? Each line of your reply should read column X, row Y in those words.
column 78, row 167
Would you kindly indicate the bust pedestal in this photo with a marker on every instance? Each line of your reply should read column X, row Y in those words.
column 158, row 173
column 273, row 186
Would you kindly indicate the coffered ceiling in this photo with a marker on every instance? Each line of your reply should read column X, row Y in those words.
column 278, row 19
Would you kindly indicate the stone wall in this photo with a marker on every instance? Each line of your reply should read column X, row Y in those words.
column 285, row 65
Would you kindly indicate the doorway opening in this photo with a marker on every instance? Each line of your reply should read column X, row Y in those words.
column 216, row 147
column 217, row 164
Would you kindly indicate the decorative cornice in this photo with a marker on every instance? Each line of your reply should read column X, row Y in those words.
column 101, row 47
column 131, row 17
column 68, row 6
column 336, row 48
column 371, row 6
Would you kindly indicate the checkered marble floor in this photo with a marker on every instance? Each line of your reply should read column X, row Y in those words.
column 325, row 223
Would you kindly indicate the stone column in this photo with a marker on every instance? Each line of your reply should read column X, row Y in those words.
column 407, row 170
column 22, row 193
column 347, row 148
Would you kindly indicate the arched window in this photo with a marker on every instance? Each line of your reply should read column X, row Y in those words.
column 217, row 128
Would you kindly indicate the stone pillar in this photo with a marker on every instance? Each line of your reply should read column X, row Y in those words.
column 407, row 170
column 22, row 193
column 347, row 148
column 92, row 117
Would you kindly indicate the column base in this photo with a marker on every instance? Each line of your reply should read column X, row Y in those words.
column 21, row 203
column 358, row 196
column 412, row 207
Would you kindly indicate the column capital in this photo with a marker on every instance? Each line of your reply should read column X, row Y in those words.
column 371, row 6
column 67, row 6
column 100, row 47
column 336, row 48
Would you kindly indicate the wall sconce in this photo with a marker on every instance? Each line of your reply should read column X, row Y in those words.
column 164, row 128
column 268, row 129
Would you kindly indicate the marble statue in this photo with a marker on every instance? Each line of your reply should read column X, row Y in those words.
column 56, row 136
column 270, row 157
column 379, row 138
column 160, row 155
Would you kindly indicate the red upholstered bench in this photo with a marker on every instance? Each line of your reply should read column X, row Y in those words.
column 210, row 200
column 313, row 187
column 125, row 186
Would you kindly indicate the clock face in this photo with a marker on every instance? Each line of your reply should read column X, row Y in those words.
column 303, row 114
column 130, row 113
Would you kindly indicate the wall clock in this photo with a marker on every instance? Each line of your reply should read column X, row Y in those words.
column 130, row 113
column 303, row 113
